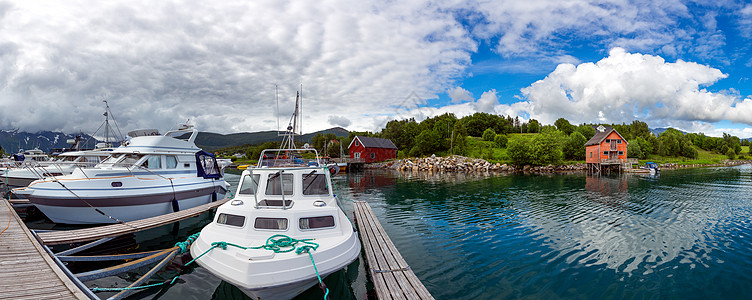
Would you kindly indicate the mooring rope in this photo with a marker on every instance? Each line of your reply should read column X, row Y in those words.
column 279, row 243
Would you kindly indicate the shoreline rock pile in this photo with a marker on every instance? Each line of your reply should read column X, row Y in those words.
column 456, row 163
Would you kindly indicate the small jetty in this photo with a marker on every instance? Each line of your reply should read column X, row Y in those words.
column 27, row 270
column 391, row 275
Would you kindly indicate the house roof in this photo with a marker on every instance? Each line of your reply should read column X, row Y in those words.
column 372, row 142
column 601, row 132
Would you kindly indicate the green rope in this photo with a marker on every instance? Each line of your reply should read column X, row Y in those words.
column 184, row 246
column 279, row 243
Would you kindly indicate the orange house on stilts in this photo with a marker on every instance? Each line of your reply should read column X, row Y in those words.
column 606, row 151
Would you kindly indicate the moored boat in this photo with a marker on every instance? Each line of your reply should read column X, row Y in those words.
column 146, row 177
column 281, row 202
column 65, row 163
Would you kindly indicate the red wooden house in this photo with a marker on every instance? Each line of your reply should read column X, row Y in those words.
column 605, row 149
column 371, row 149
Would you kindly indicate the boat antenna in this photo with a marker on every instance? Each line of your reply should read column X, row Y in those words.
column 276, row 92
column 289, row 140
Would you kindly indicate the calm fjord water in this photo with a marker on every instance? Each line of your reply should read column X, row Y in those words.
column 686, row 234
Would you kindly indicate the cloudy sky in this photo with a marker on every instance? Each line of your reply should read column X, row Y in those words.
column 684, row 64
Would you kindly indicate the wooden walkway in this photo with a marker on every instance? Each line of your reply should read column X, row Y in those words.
column 95, row 233
column 27, row 271
column 391, row 275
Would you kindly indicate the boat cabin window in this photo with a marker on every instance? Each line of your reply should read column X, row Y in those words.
column 153, row 162
column 232, row 220
column 274, row 185
column 249, row 184
column 317, row 222
column 315, row 184
column 171, row 162
column 270, row 223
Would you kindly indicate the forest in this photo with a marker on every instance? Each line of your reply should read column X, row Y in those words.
column 520, row 142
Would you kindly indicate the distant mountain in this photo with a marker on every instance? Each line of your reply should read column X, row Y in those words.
column 210, row 141
column 657, row 131
column 13, row 140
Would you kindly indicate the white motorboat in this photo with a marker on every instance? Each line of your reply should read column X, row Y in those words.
column 146, row 177
column 65, row 163
column 282, row 200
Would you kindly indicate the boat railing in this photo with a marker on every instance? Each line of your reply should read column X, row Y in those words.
column 280, row 158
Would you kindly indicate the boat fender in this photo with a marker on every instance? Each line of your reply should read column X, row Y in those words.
column 214, row 197
column 175, row 205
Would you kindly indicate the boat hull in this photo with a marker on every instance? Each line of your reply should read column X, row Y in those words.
column 265, row 278
column 81, row 210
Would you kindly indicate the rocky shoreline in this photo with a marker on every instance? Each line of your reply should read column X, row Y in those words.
column 456, row 163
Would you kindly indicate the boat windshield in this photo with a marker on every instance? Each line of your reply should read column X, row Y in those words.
column 274, row 185
column 130, row 159
column 315, row 184
column 249, row 184
column 112, row 159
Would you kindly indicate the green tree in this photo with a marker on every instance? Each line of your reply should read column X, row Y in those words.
column 533, row 126
column 586, row 130
column 489, row 134
column 731, row 154
column 575, row 146
column 546, row 149
column 634, row 150
column 501, row 141
column 427, row 142
column 518, row 150
column 564, row 126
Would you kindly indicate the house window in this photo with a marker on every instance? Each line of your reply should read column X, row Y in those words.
column 356, row 143
column 605, row 152
column 608, row 141
column 591, row 154
column 618, row 141
column 357, row 154
column 621, row 152
column 373, row 155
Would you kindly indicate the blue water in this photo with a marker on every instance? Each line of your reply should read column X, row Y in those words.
column 686, row 234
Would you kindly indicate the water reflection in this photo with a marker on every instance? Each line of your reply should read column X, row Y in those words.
column 570, row 235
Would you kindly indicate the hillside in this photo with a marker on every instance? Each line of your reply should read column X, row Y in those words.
column 210, row 141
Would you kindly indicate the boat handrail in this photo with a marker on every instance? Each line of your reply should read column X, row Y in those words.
column 179, row 132
column 289, row 159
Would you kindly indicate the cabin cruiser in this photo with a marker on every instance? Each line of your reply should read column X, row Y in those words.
column 146, row 177
column 279, row 198
column 65, row 163
column 23, row 158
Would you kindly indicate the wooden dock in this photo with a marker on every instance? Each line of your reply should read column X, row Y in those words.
column 27, row 271
column 390, row 273
column 100, row 232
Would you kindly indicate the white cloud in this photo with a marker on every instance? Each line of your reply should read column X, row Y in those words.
column 218, row 63
column 459, row 95
column 487, row 102
column 627, row 86
column 339, row 121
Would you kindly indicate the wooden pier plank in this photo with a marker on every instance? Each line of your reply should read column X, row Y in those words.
column 392, row 276
column 95, row 233
column 26, row 269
